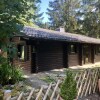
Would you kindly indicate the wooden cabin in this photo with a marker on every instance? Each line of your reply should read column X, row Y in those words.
column 42, row 50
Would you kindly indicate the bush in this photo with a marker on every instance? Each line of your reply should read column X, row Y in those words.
column 16, row 74
column 68, row 87
column 9, row 74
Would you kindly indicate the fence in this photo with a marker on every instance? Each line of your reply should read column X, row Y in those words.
column 86, row 84
column 87, row 81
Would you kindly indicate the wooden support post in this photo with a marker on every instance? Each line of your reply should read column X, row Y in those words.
column 80, row 54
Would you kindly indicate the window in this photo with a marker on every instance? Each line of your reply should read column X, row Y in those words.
column 73, row 49
column 33, row 49
column 21, row 52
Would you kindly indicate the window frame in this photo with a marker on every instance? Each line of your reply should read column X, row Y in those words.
column 19, row 52
column 26, row 54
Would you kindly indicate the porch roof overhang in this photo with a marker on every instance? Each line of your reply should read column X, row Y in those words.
column 38, row 33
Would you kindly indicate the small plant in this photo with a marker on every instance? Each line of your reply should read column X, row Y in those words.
column 16, row 75
column 68, row 87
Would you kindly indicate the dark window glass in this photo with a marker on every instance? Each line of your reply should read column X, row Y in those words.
column 33, row 49
column 73, row 49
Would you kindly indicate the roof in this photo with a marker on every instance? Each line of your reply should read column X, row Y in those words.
column 39, row 33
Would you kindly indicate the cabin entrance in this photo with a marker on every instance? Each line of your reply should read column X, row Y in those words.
column 86, row 54
column 33, row 59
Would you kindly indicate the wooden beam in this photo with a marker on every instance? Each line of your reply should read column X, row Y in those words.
column 80, row 54
column 92, row 53
column 65, row 55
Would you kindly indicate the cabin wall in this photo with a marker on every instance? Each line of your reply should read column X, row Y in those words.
column 73, row 60
column 53, row 55
column 26, row 65
column 50, row 56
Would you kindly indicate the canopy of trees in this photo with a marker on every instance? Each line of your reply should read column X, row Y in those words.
column 14, row 14
column 78, row 16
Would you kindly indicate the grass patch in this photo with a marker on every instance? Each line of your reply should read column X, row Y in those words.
column 48, row 79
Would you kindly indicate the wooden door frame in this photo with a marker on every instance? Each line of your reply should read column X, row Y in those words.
column 65, row 55
column 33, row 66
column 90, row 55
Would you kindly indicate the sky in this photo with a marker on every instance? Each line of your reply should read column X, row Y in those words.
column 44, row 6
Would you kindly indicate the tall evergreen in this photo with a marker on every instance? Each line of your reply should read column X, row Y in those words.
column 77, row 16
column 87, row 18
column 63, row 13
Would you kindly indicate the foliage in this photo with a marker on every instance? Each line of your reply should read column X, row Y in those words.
column 39, row 19
column 68, row 87
column 14, row 14
column 77, row 16
column 9, row 74
column 89, row 18
column 17, row 74
column 63, row 13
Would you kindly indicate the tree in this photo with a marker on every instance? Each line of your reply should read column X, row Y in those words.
column 63, row 13
column 14, row 14
column 68, row 87
column 77, row 16
column 88, row 18
column 39, row 19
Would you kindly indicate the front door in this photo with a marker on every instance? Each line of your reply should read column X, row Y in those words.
column 86, row 54
column 33, row 59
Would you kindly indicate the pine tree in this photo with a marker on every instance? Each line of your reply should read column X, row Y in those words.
column 63, row 13
column 88, row 19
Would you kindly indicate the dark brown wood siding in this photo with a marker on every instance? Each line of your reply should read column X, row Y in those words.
column 50, row 56
column 26, row 65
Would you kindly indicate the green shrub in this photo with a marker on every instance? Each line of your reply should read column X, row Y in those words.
column 9, row 74
column 5, row 73
column 68, row 87
column 17, row 74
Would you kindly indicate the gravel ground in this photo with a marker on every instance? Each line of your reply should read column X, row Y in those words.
column 44, row 78
column 91, row 97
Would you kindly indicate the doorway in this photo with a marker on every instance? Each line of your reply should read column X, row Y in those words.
column 33, row 59
column 86, row 54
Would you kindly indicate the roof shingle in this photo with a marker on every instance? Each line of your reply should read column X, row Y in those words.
column 39, row 33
